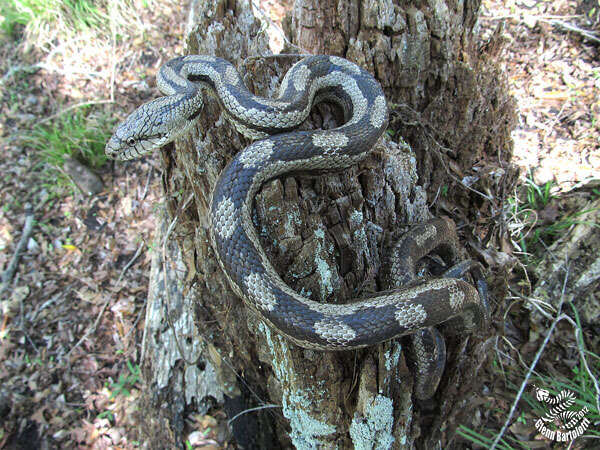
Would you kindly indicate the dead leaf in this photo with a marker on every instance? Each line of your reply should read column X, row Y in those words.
column 38, row 416
column 549, row 214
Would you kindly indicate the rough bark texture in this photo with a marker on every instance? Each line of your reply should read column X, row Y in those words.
column 326, row 233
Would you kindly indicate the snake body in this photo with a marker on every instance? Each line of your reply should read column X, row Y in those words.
column 363, row 322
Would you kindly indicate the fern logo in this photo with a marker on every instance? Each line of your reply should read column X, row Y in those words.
column 574, row 423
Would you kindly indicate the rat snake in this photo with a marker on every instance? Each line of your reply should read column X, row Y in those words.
column 419, row 304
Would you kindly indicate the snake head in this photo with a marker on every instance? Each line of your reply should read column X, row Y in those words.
column 147, row 128
column 542, row 394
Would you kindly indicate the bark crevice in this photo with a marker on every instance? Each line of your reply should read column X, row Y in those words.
column 326, row 233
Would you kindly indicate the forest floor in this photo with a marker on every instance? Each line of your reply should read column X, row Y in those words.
column 71, row 320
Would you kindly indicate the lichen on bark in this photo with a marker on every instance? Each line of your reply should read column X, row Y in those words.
column 326, row 233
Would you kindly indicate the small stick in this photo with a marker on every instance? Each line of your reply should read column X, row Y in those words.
column 145, row 193
column 77, row 105
column 558, row 318
column 257, row 408
column 9, row 273
column 552, row 20
column 131, row 261
column 92, row 328
column 518, row 16
column 570, row 27
column 582, row 354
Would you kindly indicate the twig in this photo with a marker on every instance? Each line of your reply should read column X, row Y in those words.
column 529, row 287
column 580, row 347
column 556, row 117
column 531, row 368
column 9, row 273
column 570, row 27
column 134, row 326
column 78, row 105
column 552, row 20
column 437, row 194
column 24, row 331
column 92, row 329
column 532, row 225
column 258, row 408
column 507, row 356
column 534, row 302
column 579, row 339
column 147, row 183
column 131, row 261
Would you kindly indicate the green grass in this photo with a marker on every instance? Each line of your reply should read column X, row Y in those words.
column 578, row 381
column 79, row 134
column 126, row 381
column 11, row 17
column 75, row 15
column 524, row 209
column 123, row 386
column 538, row 196
column 531, row 235
column 46, row 22
column 581, row 385
column 486, row 440
column 553, row 230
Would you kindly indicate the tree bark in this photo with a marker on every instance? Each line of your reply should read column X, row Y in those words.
column 326, row 233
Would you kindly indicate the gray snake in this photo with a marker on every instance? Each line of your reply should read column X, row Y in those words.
column 419, row 304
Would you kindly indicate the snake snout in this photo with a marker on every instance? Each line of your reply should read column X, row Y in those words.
column 113, row 148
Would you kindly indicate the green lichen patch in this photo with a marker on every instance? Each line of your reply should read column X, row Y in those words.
column 374, row 430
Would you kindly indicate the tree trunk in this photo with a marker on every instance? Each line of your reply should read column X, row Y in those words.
column 326, row 233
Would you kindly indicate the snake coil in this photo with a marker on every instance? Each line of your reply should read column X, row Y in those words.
column 404, row 310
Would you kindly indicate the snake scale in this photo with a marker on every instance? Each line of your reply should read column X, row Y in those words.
column 392, row 313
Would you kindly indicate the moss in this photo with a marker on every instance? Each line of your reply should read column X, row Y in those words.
column 278, row 365
column 356, row 217
column 374, row 431
column 391, row 361
column 292, row 220
column 326, row 277
column 305, row 429
column 305, row 292
column 392, row 356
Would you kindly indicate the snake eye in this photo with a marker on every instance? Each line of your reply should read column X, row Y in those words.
column 131, row 141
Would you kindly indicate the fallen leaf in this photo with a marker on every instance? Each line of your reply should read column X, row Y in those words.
column 38, row 416
column 549, row 214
